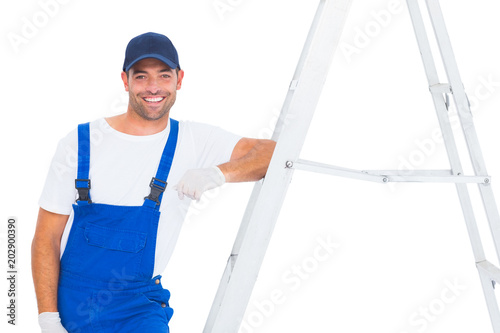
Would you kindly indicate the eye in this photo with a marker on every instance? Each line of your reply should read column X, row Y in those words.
column 166, row 76
column 140, row 77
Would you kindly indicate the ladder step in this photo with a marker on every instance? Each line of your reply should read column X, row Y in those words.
column 443, row 88
column 491, row 271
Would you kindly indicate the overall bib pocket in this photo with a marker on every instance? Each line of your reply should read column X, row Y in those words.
column 115, row 239
column 105, row 253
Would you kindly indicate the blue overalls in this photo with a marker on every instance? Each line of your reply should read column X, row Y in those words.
column 105, row 281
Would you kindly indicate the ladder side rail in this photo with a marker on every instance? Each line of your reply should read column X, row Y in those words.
column 433, row 80
column 282, row 120
column 447, row 56
column 446, row 130
column 458, row 90
column 226, row 316
column 246, row 218
column 219, row 297
column 465, row 116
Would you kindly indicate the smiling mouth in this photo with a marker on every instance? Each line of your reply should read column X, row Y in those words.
column 153, row 99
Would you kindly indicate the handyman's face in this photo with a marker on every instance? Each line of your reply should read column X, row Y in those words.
column 152, row 87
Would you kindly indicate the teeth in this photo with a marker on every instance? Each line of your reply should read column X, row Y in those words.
column 157, row 99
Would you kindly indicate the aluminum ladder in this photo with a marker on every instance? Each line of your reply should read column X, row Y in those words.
column 265, row 202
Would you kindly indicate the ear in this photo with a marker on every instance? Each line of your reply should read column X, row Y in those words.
column 180, row 76
column 125, row 80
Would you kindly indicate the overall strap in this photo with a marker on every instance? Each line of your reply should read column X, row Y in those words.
column 159, row 182
column 82, row 182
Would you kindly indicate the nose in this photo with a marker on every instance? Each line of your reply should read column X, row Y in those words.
column 152, row 86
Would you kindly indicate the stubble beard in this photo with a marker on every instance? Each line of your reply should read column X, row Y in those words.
column 141, row 110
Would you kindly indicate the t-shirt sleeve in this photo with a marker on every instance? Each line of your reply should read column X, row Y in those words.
column 59, row 192
column 214, row 144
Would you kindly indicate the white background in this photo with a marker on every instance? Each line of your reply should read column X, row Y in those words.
column 400, row 247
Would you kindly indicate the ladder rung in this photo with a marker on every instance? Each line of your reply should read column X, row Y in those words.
column 443, row 88
column 490, row 270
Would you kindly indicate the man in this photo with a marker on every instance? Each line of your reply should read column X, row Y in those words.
column 96, row 263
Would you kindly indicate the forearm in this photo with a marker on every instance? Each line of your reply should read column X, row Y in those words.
column 249, row 162
column 45, row 264
column 252, row 166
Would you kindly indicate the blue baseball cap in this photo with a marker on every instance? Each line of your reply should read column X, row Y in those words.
column 151, row 45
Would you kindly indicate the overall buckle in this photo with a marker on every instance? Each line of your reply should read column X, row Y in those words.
column 83, row 192
column 156, row 190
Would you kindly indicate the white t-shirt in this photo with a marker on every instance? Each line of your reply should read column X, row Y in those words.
column 121, row 168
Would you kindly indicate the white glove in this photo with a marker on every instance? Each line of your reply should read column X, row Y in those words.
column 50, row 323
column 196, row 181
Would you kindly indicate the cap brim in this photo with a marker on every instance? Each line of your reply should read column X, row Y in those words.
column 166, row 61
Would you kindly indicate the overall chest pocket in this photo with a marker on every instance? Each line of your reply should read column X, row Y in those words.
column 115, row 239
column 110, row 253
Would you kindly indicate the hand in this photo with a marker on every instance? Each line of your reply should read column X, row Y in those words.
column 50, row 323
column 196, row 181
